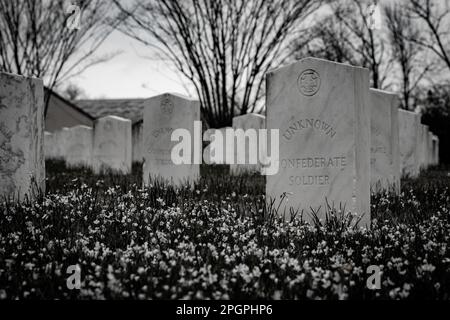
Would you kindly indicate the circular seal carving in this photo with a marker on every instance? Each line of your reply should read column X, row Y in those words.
column 107, row 126
column 166, row 105
column 309, row 82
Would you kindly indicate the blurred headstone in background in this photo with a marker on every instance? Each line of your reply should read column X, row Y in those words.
column 384, row 146
column 112, row 145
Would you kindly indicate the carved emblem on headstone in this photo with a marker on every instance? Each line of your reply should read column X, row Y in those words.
column 309, row 82
column 166, row 105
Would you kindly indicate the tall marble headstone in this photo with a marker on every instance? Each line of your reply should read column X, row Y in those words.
column 80, row 144
column 384, row 146
column 22, row 161
column 409, row 143
column 163, row 115
column 112, row 145
column 246, row 122
column 321, row 110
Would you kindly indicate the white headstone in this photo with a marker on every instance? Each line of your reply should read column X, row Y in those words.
column 322, row 111
column 80, row 142
column 137, row 142
column 409, row 142
column 246, row 122
column 112, row 144
column 162, row 115
column 384, row 147
column 22, row 161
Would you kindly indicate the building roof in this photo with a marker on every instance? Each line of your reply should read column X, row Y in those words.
column 126, row 108
column 67, row 102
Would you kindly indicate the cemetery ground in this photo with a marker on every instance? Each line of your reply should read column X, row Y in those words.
column 218, row 240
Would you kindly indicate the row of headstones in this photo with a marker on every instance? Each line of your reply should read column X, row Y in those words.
column 338, row 138
column 100, row 149
column 107, row 146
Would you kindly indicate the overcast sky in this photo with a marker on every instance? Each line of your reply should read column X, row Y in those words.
column 129, row 75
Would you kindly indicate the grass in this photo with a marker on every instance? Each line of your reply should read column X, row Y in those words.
column 218, row 240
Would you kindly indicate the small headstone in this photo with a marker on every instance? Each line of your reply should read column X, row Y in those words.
column 22, row 160
column 162, row 115
column 409, row 142
column 80, row 143
column 384, row 147
column 112, row 145
column 137, row 142
column 246, row 122
column 322, row 111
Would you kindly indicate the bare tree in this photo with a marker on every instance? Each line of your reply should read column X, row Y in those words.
column 73, row 92
column 408, row 55
column 223, row 47
column 367, row 43
column 35, row 39
column 328, row 40
column 435, row 17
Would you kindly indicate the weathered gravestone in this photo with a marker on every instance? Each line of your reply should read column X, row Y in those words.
column 322, row 111
column 80, row 142
column 22, row 161
column 384, row 146
column 247, row 157
column 137, row 142
column 162, row 115
column 409, row 142
column 221, row 147
column 112, row 145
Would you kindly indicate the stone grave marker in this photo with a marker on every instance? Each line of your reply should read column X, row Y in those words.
column 162, row 115
column 409, row 142
column 80, row 143
column 384, row 146
column 112, row 144
column 22, row 160
column 322, row 111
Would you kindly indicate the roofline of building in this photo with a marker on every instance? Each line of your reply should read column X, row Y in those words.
column 70, row 104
